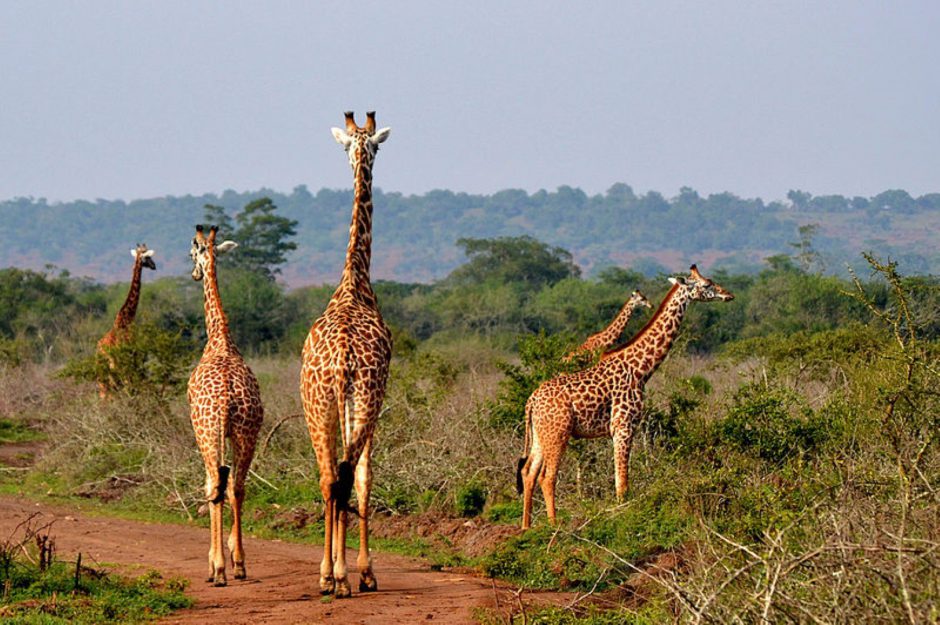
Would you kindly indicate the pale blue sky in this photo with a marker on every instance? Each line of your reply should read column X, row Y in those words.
column 139, row 99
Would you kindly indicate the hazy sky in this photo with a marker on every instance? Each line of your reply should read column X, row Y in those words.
column 140, row 99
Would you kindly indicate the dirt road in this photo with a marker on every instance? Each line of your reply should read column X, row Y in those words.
column 282, row 582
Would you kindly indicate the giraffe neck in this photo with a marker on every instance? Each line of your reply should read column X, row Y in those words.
column 651, row 345
column 612, row 331
column 128, row 311
column 355, row 281
column 216, row 323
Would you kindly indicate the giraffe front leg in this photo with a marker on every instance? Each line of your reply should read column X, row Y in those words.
column 367, row 581
column 623, row 441
column 216, row 553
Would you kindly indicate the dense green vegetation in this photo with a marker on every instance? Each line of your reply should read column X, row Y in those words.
column 416, row 235
column 787, row 466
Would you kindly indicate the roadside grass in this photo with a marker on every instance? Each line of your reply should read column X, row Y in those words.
column 38, row 588
column 49, row 597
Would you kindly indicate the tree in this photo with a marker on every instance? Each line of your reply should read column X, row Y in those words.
column 799, row 199
column 514, row 259
column 806, row 255
column 261, row 236
column 215, row 215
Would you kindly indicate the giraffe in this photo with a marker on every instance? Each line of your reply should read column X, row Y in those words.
column 601, row 341
column 603, row 400
column 120, row 330
column 224, row 401
column 344, row 371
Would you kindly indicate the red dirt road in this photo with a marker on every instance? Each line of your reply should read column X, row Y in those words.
column 282, row 577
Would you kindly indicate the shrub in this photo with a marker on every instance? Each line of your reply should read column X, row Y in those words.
column 153, row 361
column 761, row 421
column 540, row 358
column 504, row 512
column 470, row 498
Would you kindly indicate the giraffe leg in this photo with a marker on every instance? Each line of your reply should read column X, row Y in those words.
column 547, row 482
column 242, row 451
column 327, row 582
column 339, row 564
column 530, row 473
column 367, row 581
column 623, row 441
column 554, row 448
column 364, row 412
column 216, row 553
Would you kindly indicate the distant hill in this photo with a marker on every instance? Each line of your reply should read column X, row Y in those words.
column 415, row 235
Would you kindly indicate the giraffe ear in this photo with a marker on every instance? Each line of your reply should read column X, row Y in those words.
column 134, row 253
column 225, row 246
column 341, row 137
column 147, row 254
column 677, row 280
column 381, row 135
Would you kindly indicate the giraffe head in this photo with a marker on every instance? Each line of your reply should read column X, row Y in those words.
column 701, row 288
column 204, row 250
column 145, row 255
column 638, row 300
column 360, row 144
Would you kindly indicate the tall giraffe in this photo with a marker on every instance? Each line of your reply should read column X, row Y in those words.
column 601, row 341
column 603, row 400
column 120, row 330
column 224, row 401
column 344, row 371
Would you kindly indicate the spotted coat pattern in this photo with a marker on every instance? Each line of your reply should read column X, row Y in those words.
column 225, row 403
column 601, row 341
column 120, row 329
column 344, row 372
column 605, row 400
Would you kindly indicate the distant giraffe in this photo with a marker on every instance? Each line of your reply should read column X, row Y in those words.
column 120, row 330
column 600, row 341
column 344, row 371
column 224, row 401
column 604, row 400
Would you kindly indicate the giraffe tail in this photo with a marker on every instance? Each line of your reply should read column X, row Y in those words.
column 222, row 483
column 219, row 495
column 520, row 464
column 341, row 489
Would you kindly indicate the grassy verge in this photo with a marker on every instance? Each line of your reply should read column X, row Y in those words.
column 37, row 588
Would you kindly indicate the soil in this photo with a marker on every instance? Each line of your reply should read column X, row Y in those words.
column 282, row 583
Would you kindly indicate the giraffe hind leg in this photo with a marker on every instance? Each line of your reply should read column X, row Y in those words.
column 367, row 581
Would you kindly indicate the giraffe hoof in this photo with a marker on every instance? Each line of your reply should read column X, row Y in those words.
column 367, row 583
column 240, row 571
column 342, row 589
column 219, row 581
column 327, row 585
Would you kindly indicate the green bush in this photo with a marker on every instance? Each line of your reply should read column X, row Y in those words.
column 153, row 361
column 769, row 423
column 504, row 512
column 540, row 358
column 470, row 498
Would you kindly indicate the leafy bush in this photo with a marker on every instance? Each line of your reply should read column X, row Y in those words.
column 470, row 498
column 540, row 358
column 761, row 422
column 504, row 512
column 152, row 361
